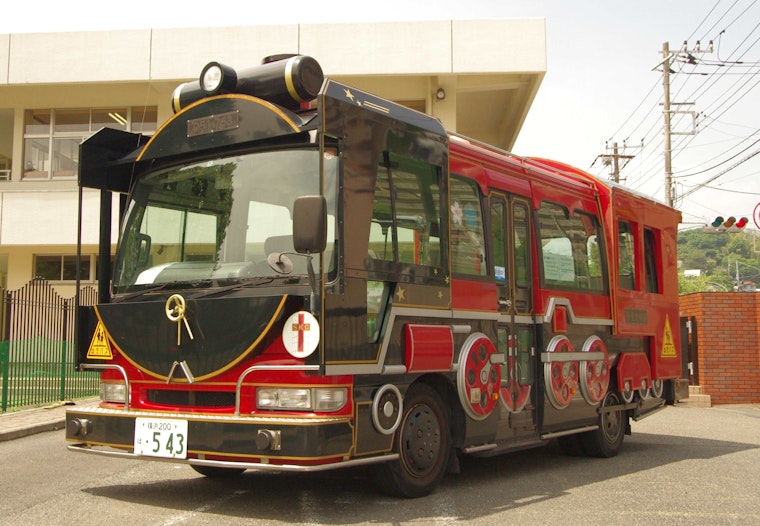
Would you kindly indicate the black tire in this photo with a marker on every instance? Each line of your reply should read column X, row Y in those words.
column 570, row 445
column 217, row 473
column 605, row 442
column 423, row 442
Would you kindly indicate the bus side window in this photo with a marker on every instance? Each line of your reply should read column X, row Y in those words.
column 467, row 239
column 570, row 249
column 381, row 234
column 626, row 256
column 651, row 247
column 406, row 213
column 377, row 297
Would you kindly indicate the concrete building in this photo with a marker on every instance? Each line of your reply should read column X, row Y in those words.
column 478, row 76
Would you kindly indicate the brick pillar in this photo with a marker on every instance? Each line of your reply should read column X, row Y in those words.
column 728, row 332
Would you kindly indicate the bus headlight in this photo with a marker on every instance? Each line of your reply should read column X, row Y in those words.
column 301, row 399
column 113, row 392
column 217, row 78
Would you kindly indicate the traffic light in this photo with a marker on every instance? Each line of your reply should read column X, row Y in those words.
column 726, row 225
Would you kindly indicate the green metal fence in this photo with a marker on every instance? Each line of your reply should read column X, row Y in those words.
column 37, row 352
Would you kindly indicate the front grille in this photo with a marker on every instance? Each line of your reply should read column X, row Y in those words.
column 192, row 398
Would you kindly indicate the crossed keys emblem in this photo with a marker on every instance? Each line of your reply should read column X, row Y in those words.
column 175, row 311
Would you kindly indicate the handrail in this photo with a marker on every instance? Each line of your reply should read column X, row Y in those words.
column 254, row 368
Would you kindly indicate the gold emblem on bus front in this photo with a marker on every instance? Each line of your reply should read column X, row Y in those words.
column 175, row 311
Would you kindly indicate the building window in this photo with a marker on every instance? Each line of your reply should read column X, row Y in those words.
column 64, row 268
column 52, row 136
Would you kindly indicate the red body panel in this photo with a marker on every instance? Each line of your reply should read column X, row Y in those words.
column 428, row 348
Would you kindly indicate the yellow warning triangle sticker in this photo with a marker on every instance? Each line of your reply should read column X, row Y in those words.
column 668, row 345
column 99, row 347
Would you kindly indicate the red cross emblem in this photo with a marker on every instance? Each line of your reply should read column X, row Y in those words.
column 300, row 335
column 301, row 327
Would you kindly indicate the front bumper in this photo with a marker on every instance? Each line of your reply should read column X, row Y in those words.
column 301, row 444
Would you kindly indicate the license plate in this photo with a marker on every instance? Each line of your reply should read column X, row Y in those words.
column 161, row 437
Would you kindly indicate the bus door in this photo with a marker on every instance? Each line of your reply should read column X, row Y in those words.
column 511, row 238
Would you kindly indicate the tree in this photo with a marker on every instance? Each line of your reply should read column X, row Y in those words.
column 716, row 256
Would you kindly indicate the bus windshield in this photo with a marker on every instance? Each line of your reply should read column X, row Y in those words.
column 219, row 219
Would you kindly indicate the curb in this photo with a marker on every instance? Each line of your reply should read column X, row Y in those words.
column 37, row 420
column 25, row 431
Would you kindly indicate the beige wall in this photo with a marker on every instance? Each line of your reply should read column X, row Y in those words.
column 396, row 48
column 490, row 69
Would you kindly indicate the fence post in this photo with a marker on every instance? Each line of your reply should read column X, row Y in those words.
column 64, row 338
column 5, row 347
column 4, row 359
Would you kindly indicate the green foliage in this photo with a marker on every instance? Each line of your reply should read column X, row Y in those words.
column 717, row 256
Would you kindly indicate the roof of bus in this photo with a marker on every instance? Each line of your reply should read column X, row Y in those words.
column 551, row 170
column 522, row 165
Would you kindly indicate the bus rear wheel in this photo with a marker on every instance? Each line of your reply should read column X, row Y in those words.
column 605, row 442
column 422, row 441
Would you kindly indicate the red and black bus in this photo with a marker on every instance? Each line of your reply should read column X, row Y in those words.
column 310, row 277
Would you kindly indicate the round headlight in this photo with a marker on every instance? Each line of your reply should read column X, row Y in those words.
column 217, row 78
column 212, row 78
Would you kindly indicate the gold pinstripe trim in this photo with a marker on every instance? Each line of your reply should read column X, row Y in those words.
column 261, row 102
column 175, row 98
column 230, row 365
column 289, row 80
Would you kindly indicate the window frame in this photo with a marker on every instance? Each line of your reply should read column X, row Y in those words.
column 91, row 261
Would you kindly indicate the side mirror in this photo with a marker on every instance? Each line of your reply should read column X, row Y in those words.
column 309, row 224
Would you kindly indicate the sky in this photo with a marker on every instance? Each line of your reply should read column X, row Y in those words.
column 602, row 84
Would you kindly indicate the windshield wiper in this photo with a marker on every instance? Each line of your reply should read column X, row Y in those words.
column 250, row 282
column 163, row 286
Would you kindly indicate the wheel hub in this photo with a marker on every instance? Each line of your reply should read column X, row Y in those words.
column 421, row 440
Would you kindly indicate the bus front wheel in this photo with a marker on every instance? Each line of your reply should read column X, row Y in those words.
column 423, row 441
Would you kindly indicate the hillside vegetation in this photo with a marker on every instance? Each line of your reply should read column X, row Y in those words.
column 717, row 256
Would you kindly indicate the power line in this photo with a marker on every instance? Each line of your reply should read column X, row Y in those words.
column 687, row 66
column 713, row 178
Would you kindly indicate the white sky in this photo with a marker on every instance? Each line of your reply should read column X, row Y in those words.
column 600, row 84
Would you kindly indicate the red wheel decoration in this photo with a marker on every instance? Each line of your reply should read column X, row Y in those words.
column 478, row 379
column 595, row 374
column 513, row 394
column 560, row 376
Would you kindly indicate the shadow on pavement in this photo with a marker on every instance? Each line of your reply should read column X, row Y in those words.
column 348, row 496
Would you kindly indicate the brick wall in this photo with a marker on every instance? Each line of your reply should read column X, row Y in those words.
column 728, row 335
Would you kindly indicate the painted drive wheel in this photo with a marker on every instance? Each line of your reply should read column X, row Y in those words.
column 561, row 377
column 595, row 375
column 478, row 379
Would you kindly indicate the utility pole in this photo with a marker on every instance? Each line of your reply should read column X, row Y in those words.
column 685, row 55
column 613, row 160
column 666, row 56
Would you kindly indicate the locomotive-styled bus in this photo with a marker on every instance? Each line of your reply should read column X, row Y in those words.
column 310, row 277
